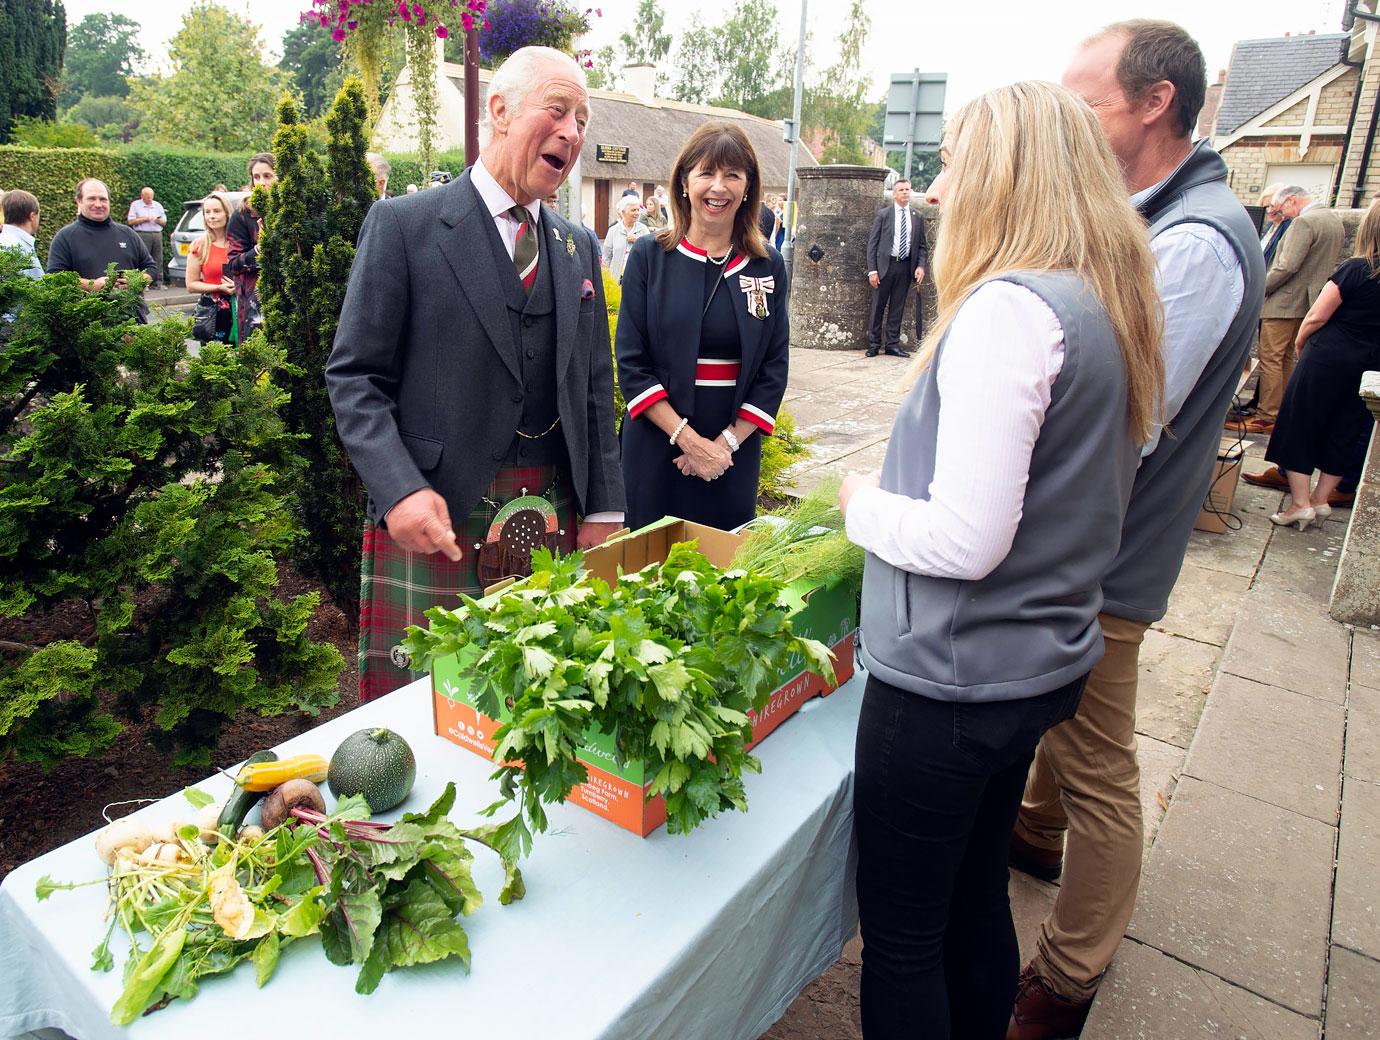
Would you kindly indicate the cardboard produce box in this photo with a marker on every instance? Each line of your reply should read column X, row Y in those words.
column 619, row 793
column 1226, row 475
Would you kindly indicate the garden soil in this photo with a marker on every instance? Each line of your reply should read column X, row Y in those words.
column 42, row 809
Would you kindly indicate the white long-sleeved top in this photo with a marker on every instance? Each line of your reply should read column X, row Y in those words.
column 1201, row 286
column 1004, row 351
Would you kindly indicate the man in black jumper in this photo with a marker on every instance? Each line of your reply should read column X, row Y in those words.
column 93, row 242
column 896, row 258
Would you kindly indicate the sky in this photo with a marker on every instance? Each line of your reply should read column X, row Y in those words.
column 979, row 45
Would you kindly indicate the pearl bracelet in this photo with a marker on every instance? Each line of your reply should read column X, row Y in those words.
column 730, row 439
column 679, row 427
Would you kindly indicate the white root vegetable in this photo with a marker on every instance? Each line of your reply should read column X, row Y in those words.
column 166, row 831
column 249, row 833
column 206, row 820
column 124, row 834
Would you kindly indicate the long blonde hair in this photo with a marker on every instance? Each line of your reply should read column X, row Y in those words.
column 1032, row 186
column 202, row 246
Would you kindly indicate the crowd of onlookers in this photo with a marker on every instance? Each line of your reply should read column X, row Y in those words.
column 635, row 217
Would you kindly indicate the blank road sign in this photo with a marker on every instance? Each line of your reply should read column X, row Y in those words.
column 922, row 124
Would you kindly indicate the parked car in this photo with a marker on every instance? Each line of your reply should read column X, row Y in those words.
column 189, row 226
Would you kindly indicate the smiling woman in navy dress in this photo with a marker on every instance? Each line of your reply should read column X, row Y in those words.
column 702, row 342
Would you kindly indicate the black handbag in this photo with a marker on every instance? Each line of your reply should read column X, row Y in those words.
column 204, row 317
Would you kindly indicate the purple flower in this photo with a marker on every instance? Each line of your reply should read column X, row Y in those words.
column 442, row 32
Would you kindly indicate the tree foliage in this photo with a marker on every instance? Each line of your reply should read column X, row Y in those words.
column 102, row 53
column 314, row 66
column 738, row 63
column 220, row 94
column 32, row 132
column 110, row 118
column 32, row 37
column 311, row 220
column 141, row 505
column 838, row 105
column 647, row 40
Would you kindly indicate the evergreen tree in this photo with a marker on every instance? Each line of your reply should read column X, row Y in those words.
column 33, row 34
column 220, row 94
column 102, row 51
column 141, row 508
column 311, row 220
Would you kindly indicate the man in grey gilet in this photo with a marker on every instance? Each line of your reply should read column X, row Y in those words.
column 1146, row 81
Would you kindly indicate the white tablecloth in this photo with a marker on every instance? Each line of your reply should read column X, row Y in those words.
column 620, row 938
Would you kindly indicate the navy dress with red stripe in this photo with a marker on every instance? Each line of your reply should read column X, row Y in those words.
column 715, row 355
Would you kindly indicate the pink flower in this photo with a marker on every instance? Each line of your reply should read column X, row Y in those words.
column 338, row 35
column 442, row 32
column 467, row 21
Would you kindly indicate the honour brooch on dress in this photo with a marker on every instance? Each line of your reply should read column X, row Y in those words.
column 756, row 290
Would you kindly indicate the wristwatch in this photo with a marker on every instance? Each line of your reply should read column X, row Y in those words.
column 730, row 439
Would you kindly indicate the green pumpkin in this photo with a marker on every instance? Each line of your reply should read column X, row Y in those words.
column 375, row 763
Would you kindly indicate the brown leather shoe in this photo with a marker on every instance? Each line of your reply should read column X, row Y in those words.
column 1042, row 1014
column 1271, row 478
column 1030, row 859
column 1260, row 426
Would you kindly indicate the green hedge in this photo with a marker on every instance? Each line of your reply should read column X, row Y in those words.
column 52, row 174
column 407, row 170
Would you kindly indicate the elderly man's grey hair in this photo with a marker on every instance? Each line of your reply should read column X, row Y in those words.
column 381, row 166
column 1289, row 191
column 517, row 77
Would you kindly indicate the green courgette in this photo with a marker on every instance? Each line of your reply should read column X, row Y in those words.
column 239, row 803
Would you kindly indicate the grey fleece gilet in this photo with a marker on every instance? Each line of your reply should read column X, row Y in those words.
column 1030, row 626
column 1173, row 480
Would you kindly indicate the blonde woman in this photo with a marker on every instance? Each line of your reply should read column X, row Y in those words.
column 988, row 530
column 1323, row 425
column 206, row 266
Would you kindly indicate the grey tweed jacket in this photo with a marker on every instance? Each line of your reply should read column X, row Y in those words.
column 424, row 375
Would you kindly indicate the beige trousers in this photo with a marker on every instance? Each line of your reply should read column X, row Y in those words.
column 1086, row 782
column 1276, row 363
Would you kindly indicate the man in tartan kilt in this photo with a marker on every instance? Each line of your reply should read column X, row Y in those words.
column 471, row 375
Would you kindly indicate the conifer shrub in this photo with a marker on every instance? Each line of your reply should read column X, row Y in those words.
column 142, row 506
column 311, row 220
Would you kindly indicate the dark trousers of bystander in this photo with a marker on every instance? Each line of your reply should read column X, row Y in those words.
column 937, row 788
column 154, row 241
column 889, row 297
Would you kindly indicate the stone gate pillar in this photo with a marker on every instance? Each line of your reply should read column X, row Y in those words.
column 1356, row 590
column 830, row 296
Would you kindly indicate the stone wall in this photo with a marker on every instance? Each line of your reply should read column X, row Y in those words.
column 830, row 297
column 1248, row 158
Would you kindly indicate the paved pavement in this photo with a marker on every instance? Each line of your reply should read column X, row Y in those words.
column 1259, row 730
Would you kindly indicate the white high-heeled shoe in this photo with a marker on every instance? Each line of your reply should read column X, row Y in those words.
column 1321, row 513
column 1301, row 518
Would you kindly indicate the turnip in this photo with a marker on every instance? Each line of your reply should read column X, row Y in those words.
column 293, row 794
column 123, row 834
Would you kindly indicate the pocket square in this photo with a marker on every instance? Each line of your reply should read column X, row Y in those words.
column 586, row 290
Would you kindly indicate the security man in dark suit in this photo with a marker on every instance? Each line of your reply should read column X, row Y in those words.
column 896, row 259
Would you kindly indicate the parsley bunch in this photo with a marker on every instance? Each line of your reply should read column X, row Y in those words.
column 669, row 660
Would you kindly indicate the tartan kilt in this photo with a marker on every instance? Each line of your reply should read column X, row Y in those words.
column 397, row 586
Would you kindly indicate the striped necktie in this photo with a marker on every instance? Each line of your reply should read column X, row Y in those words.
column 525, row 249
column 904, row 219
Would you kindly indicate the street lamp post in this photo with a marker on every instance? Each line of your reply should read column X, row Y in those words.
column 788, row 243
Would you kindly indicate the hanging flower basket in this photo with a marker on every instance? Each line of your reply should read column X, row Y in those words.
column 510, row 25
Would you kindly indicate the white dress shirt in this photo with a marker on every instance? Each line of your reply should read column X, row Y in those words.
column 498, row 202
column 1201, row 287
column 1005, row 345
column 12, row 236
column 902, row 220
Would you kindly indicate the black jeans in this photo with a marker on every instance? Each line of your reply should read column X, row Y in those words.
column 937, row 789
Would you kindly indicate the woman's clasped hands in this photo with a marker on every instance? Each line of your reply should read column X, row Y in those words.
column 702, row 458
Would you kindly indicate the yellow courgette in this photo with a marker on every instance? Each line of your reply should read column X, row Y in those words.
column 265, row 776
